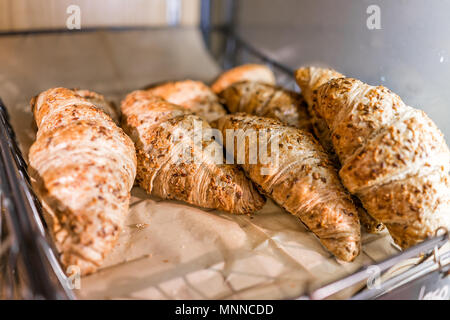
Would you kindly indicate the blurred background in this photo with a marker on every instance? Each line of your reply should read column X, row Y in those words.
column 402, row 44
column 51, row 14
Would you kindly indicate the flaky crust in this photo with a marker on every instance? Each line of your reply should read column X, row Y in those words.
column 393, row 157
column 266, row 100
column 249, row 72
column 160, row 130
column 309, row 79
column 193, row 95
column 83, row 168
column 304, row 182
column 100, row 102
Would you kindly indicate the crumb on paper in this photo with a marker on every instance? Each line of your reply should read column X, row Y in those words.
column 139, row 226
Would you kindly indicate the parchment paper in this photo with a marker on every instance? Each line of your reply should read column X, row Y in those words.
column 170, row 250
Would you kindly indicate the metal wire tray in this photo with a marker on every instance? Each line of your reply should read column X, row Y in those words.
column 29, row 268
column 429, row 275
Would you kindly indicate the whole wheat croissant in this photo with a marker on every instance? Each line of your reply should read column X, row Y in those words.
column 100, row 102
column 83, row 167
column 266, row 100
column 393, row 157
column 163, row 133
column 193, row 95
column 300, row 178
column 249, row 72
column 309, row 79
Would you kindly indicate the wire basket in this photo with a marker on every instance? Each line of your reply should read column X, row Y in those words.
column 428, row 267
column 29, row 268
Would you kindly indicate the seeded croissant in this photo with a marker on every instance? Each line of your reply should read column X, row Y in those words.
column 249, row 72
column 193, row 95
column 269, row 101
column 299, row 177
column 83, row 168
column 309, row 80
column 172, row 165
column 100, row 102
column 393, row 157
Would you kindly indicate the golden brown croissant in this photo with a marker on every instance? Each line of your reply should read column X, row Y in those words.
column 393, row 157
column 193, row 95
column 250, row 72
column 171, row 165
column 299, row 177
column 100, row 102
column 83, row 166
column 309, row 79
column 266, row 100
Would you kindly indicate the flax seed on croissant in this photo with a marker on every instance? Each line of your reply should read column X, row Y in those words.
column 100, row 102
column 393, row 157
column 299, row 177
column 172, row 165
column 269, row 101
column 83, row 167
column 309, row 79
column 193, row 95
column 249, row 72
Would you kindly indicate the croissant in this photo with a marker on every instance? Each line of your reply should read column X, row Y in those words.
column 83, row 168
column 298, row 176
column 171, row 165
column 309, row 79
column 266, row 100
column 100, row 102
column 249, row 72
column 393, row 157
column 194, row 96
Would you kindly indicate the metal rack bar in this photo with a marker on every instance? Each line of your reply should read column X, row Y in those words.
column 424, row 249
column 31, row 256
column 426, row 274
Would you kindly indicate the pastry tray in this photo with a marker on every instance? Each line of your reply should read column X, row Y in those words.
column 29, row 266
